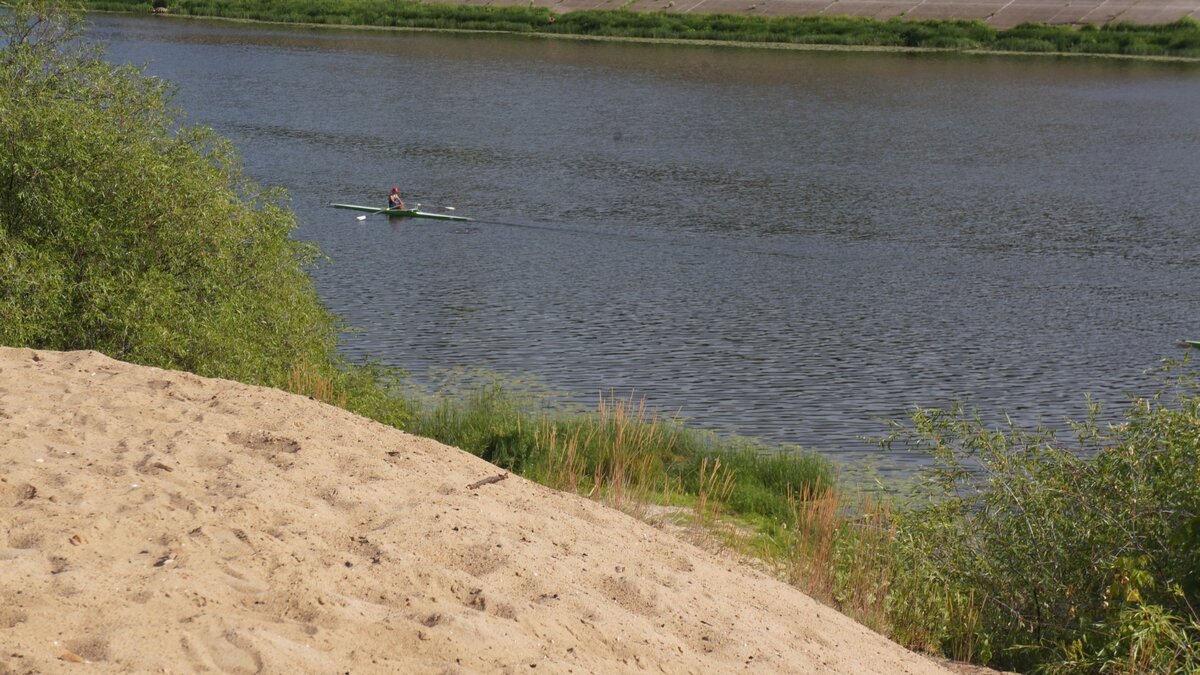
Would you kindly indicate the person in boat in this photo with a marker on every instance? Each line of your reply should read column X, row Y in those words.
column 394, row 200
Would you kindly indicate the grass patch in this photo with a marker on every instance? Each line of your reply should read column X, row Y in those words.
column 622, row 450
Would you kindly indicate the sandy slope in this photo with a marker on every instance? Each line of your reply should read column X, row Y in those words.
column 154, row 521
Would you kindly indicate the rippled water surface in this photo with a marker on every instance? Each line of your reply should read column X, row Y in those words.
column 789, row 245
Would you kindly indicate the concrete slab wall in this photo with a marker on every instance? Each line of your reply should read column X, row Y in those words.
column 997, row 13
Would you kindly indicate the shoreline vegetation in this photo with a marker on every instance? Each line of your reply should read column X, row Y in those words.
column 1178, row 40
column 125, row 232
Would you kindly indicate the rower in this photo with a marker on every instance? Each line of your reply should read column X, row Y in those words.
column 394, row 200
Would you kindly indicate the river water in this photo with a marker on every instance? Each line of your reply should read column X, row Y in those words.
column 785, row 245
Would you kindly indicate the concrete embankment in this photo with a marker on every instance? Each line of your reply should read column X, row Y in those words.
column 997, row 13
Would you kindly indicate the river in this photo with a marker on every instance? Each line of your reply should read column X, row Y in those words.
column 787, row 245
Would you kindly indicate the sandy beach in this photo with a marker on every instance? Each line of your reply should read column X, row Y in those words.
column 156, row 521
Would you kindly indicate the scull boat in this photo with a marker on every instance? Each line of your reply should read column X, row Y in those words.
column 400, row 213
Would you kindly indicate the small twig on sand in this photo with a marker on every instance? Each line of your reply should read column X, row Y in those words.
column 490, row 479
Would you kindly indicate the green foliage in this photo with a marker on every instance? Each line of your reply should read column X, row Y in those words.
column 1077, row 558
column 124, row 232
column 354, row 12
column 1020, row 44
column 487, row 423
column 622, row 440
column 763, row 477
column 1180, row 38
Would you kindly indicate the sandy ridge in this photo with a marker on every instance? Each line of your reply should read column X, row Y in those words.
column 156, row 521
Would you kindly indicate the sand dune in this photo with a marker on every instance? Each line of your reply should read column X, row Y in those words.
column 155, row 521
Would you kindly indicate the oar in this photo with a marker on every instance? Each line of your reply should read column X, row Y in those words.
column 447, row 208
column 364, row 216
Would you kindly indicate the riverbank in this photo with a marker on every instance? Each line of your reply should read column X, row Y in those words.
column 1179, row 39
column 160, row 520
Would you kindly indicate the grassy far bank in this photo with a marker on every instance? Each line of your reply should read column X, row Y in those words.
column 1179, row 39
column 123, row 232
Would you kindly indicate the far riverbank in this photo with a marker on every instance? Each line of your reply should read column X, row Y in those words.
column 1179, row 40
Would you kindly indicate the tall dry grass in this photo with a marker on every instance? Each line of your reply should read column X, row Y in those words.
column 716, row 484
column 842, row 554
column 810, row 544
column 619, row 455
column 866, row 545
column 307, row 380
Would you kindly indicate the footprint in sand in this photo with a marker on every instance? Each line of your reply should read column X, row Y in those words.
column 276, row 449
column 480, row 560
column 91, row 648
column 12, row 494
column 242, row 581
column 226, row 543
column 10, row 616
column 626, row 593
column 226, row 652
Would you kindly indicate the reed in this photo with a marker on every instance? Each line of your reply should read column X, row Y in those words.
column 716, row 484
column 614, row 456
column 308, row 380
column 619, row 448
column 815, row 523
column 865, row 548
column 763, row 476
column 623, row 450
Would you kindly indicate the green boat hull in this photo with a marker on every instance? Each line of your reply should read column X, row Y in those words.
column 399, row 213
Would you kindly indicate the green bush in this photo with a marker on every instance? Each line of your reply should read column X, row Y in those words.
column 1078, row 557
column 1017, row 44
column 948, row 42
column 125, row 232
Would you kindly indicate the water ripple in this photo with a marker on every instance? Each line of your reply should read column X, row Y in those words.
column 792, row 246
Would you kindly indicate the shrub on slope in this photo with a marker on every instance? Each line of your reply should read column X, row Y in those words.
column 1054, row 557
column 123, row 232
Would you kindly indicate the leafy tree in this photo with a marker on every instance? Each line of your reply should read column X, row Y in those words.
column 125, row 232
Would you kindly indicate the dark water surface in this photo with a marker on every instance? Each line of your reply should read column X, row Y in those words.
column 787, row 245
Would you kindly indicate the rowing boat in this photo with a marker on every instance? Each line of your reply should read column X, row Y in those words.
column 400, row 213
column 1190, row 343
